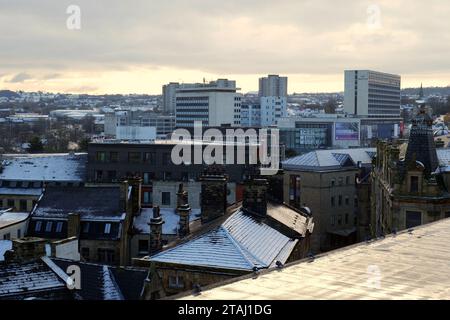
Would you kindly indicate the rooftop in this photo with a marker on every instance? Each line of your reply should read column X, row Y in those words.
column 410, row 265
column 58, row 202
column 8, row 218
column 44, row 167
column 330, row 159
column 242, row 242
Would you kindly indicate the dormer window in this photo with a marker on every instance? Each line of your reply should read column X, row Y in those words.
column 414, row 184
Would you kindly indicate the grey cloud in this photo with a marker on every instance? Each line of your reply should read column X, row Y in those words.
column 234, row 36
column 20, row 77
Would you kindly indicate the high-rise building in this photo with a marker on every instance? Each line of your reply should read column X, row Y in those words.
column 273, row 86
column 273, row 108
column 215, row 103
column 168, row 97
column 371, row 93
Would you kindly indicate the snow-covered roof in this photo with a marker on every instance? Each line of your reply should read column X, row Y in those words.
column 170, row 217
column 21, row 191
column 5, row 245
column 242, row 242
column 92, row 203
column 44, row 167
column 330, row 159
column 8, row 218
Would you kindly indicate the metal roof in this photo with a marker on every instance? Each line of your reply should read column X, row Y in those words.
column 410, row 265
column 242, row 242
column 330, row 159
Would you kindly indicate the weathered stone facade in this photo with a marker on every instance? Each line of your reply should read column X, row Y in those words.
column 408, row 191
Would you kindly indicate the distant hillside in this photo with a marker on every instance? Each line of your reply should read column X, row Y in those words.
column 8, row 94
column 442, row 91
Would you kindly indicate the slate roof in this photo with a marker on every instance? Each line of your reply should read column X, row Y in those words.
column 170, row 217
column 100, row 282
column 330, row 159
column 92, row 203
column 8, row 218
column 24, row 279
column 242, row 242
column 45, row 167
column 409, row 265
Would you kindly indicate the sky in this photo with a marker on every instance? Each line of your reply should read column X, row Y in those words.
column 136, row 46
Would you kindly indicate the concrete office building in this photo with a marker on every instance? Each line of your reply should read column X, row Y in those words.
column 372, row 94
column 251, row 115
column 307, row 134
column 273, row 86
column 214, row 104
column 135, row 124
column 273, row 108
column 168, row 96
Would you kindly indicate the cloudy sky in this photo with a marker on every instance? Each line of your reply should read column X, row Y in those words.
column 136, row 46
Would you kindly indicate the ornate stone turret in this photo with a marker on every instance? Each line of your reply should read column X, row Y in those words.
column 184, row 211
column 156, row 231
column 421, row 146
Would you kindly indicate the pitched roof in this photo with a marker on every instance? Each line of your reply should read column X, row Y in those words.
column 409, row 265
column 17, row 279
column 44, row 167
column 90, row 202
column 8, row 218
column 101, row 282
column 330, row 159
column 242, row 242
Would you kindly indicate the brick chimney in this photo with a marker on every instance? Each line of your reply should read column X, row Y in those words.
column 26, row 250
column 123, row 198
column 255, row 196
column 156, row 231
column 73, row 225
column 184, row 211
column 213, row 193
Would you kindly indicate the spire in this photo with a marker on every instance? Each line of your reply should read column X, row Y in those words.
column 421, row 95
column 421, row 146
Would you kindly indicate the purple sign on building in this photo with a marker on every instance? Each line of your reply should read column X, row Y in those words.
column 346, row 131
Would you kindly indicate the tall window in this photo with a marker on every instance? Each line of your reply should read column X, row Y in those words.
column 294, row 191
column 165, row 198
column 149, row 157
column 114, row 157
column 414, row 184
column 134, row 157
column 101, row 156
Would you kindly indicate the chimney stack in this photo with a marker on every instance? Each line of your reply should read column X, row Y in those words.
column 156, row 231
column 123, row 199
column 73, row 225
column 184, row 211
column 26, row 250
column 136, row 183
column 255, row 196
column 213, row 193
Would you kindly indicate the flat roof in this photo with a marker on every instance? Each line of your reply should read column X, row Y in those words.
column 410, row 265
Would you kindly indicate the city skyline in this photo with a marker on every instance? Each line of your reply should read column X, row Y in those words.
column 137, row 49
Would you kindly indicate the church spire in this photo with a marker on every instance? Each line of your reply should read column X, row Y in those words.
column 421, row 95
column 421, row 146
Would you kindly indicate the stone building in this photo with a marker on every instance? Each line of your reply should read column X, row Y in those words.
column 410, row 188
column 100, row 217
column 232, row 241
column 334, row 184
